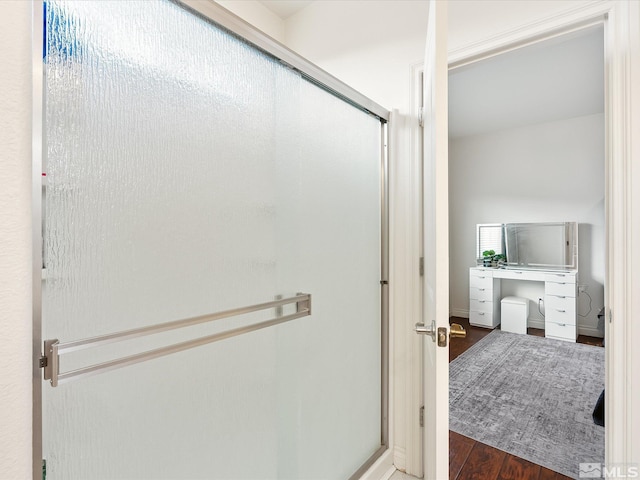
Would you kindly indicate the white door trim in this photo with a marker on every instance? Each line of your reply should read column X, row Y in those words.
column 549, row 27
column 405, row 290
column 621, row 29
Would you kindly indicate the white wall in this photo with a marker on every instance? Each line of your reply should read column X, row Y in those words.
column 539, row 173
column 15, row 238
column 369, row 45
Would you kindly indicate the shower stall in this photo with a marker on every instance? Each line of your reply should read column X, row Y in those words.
column 214, row 257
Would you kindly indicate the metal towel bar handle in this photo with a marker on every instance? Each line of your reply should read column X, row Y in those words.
column 50, row 361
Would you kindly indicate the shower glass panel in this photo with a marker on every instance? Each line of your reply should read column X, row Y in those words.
column 189, row 173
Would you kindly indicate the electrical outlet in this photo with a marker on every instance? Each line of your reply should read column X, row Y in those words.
column 582, row 288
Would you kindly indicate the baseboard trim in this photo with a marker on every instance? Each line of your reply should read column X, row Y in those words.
column 532, row 323
column 590, row 332
column 535, row 323
column 459, row 312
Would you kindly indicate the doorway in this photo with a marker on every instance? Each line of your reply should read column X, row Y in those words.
column 527, row 144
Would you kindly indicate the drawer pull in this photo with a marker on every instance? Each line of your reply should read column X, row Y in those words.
column 482, row 277
column 481, row 301
column 560, row 296
column 559, row 274
column 560, row 310
column 482, row 289
column 481, row 313
column 562, row 324
column 518, row 273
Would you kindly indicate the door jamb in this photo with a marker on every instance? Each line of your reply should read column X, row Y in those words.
column 410, row 402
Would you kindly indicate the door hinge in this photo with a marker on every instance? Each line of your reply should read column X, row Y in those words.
column 44, row 469
column 422, row 266
column 610, row 315
column 421, row 116
column 422, row 416
column 43, row 362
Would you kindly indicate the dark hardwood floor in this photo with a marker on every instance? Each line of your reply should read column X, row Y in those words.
column 472, row 460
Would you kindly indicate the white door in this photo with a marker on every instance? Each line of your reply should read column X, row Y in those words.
column 436, row 247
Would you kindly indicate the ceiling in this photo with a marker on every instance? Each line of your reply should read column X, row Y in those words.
column 552, row 80
column 285, row 8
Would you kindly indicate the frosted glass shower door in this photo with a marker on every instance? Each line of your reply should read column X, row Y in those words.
column 188, row 173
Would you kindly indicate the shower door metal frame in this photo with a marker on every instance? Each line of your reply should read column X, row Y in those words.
column 221, row 17
column 37, row 151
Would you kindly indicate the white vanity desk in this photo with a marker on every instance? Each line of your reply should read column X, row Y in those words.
column 560, row 292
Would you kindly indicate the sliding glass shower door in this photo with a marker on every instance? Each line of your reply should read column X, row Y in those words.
column 187, row 173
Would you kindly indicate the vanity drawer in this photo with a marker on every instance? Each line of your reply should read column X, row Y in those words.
column 511, row 274
column 480, row 272
column 560, row 277
column 560, row 309
column 481, row 319
column 485, row 282
column 560, row 331
column 481, row 306
column 476, row 293
column 560, row 289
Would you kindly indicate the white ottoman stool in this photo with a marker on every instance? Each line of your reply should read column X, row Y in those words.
column 514, row 313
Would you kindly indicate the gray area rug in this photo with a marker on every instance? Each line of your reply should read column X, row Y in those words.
column 531, row 397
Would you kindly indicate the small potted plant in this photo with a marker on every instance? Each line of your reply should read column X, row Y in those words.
column 487, row 257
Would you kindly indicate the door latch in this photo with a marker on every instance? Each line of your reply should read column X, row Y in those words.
column 456, row 330
column 422, row 329
column 433, row 332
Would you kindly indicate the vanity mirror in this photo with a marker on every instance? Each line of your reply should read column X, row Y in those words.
column 547, row 246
